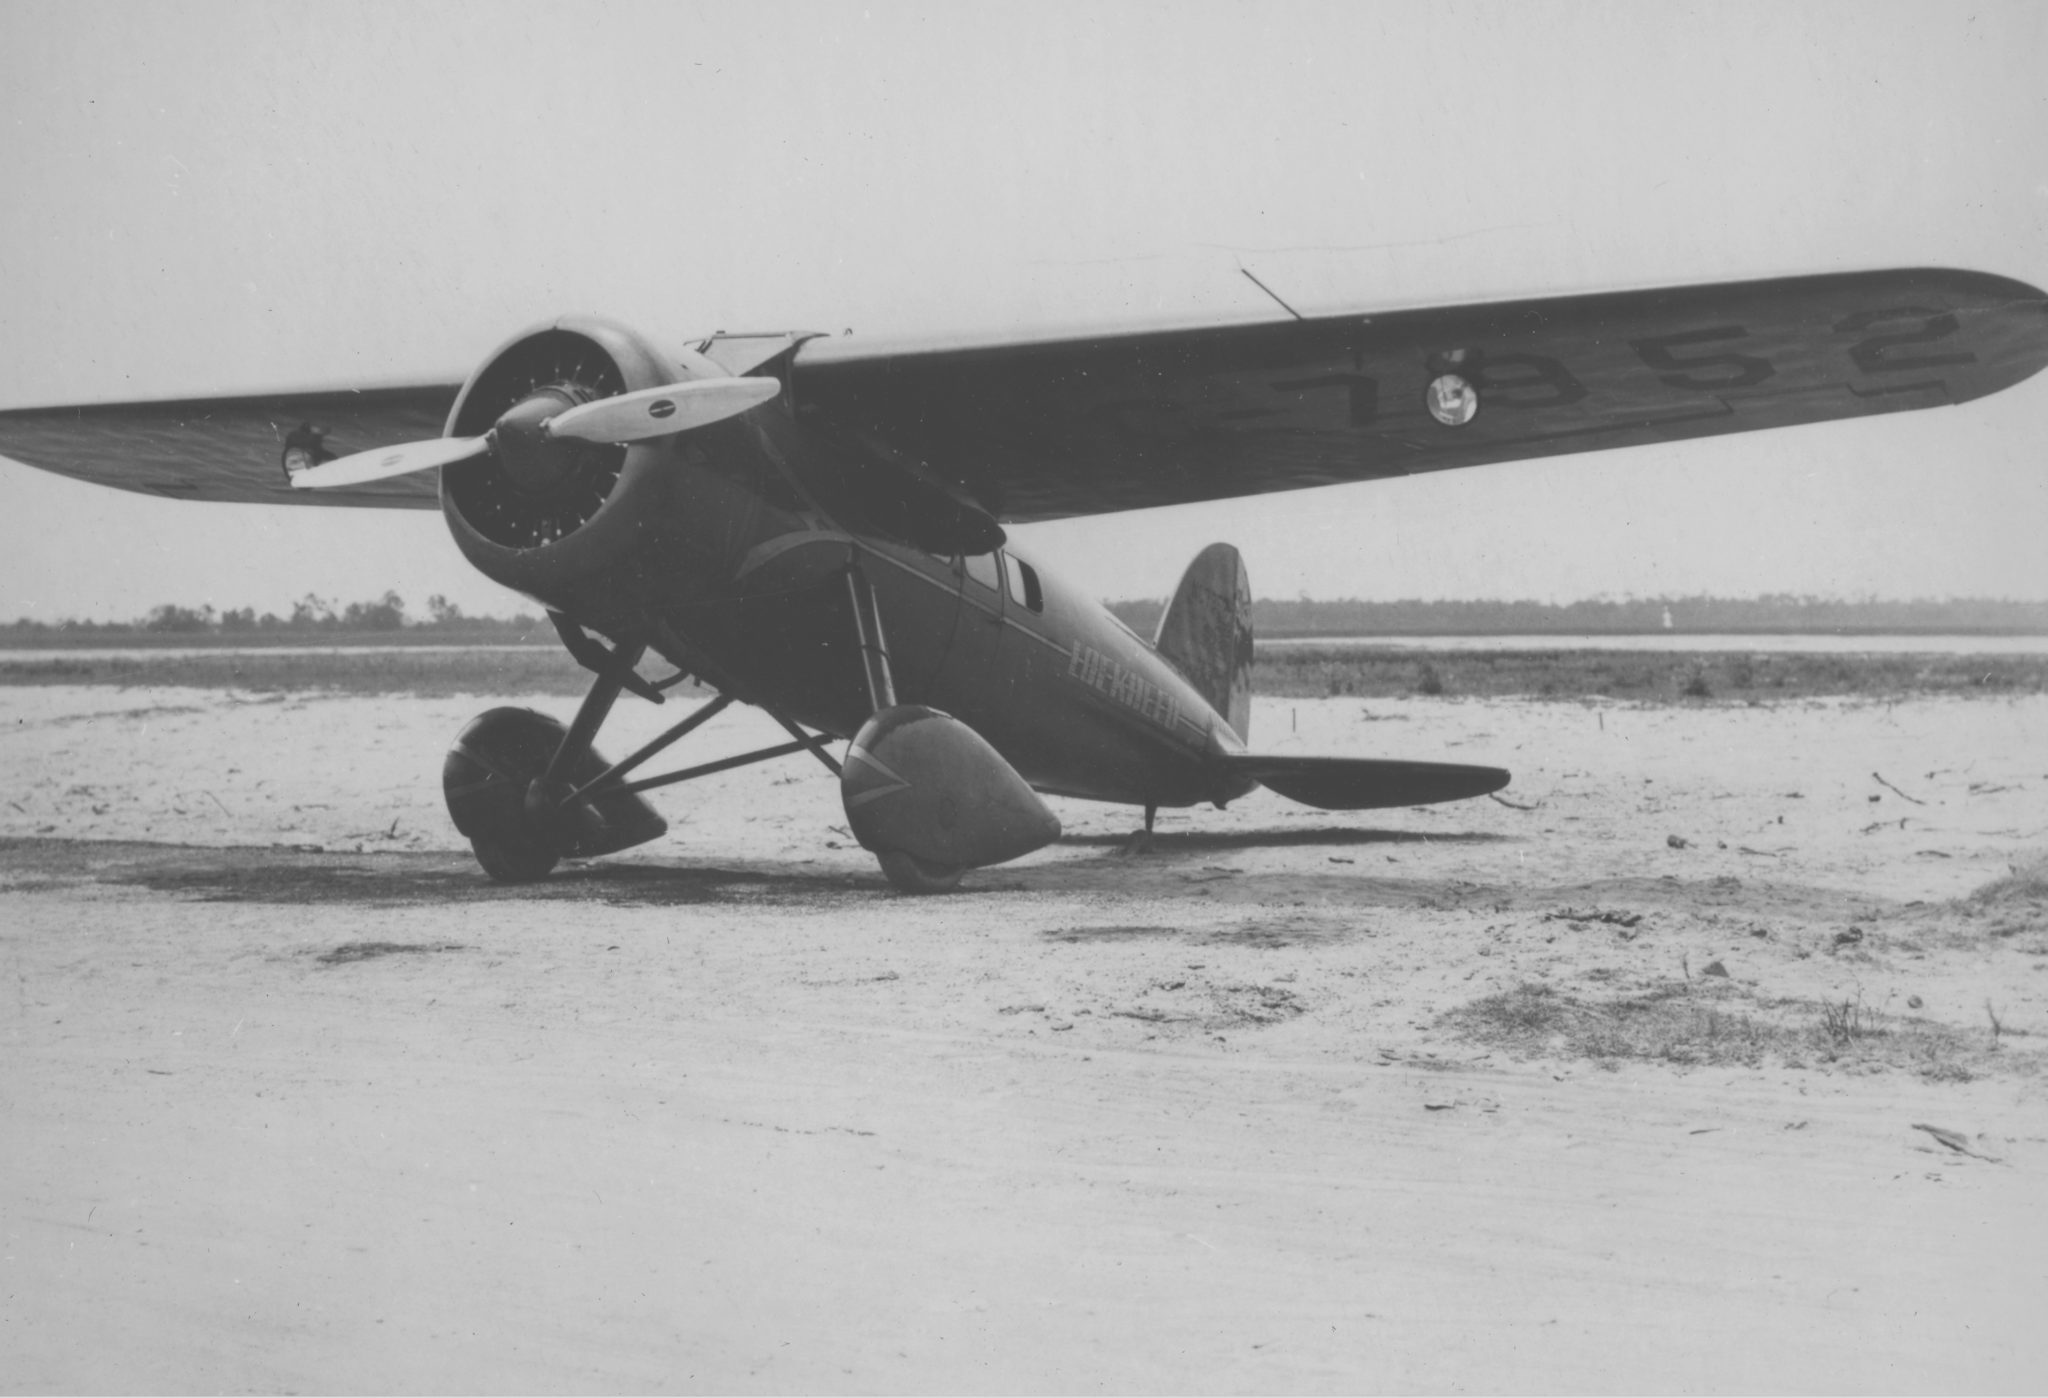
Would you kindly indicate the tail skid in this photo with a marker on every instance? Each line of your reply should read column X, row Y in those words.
column 1365, row 783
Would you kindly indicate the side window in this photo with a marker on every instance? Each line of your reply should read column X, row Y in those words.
column 982, row 568
column 1024, row 583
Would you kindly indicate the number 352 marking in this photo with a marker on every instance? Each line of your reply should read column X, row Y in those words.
column 1701, row 360
column 1691, row 359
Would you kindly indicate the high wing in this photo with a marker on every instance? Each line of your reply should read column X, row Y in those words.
column 1117, row 420
column 1110, row 422
column 232, row 449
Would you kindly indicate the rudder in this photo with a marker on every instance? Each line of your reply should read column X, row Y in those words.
column 1206, row 632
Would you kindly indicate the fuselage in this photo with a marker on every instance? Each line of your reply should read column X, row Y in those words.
column 713, row 551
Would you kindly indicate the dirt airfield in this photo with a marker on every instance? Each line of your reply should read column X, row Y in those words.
column 1711, row 1064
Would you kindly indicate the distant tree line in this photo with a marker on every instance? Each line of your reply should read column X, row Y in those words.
column 317, row 615
column 311, row 613
column 1624, row 616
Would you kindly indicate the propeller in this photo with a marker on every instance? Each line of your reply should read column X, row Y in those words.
column 549, row 415
column 390, row 461
column 661, row 412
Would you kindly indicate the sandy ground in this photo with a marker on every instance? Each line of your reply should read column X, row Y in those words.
column 292, row 1100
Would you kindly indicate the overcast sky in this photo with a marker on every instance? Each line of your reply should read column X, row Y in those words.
column 207, row 198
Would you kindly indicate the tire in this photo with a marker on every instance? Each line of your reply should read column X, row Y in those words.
column 487, row 778
column 508, row 861
column 909, row 874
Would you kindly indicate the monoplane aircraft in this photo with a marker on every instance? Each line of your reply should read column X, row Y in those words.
column 814, row 524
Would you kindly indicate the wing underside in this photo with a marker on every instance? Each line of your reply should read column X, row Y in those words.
column 1096, row 424
column 232, row 449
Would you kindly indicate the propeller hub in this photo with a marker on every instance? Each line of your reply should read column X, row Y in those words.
column 535, row 462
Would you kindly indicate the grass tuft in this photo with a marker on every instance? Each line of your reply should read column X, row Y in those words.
column 1713, row 1023
column 1842, row 1025
column 2027, row 883
column 2014, row 903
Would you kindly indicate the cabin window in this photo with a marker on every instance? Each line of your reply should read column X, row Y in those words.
column 1024, row 583
column 982, row 568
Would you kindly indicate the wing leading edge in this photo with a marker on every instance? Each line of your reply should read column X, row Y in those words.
column 1113, row 422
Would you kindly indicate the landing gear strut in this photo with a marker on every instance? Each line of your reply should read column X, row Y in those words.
column 905, row 872
column 529, row 793
column 925, row 792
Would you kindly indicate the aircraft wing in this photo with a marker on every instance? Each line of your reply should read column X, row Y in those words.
column 1096, row 423
column 232, row 449
column 1106, row 421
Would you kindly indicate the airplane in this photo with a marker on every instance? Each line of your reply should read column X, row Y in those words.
column 814, row 524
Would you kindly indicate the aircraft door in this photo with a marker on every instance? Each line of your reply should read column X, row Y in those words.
column 969, row 672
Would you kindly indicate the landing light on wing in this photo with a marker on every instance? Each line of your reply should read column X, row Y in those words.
column 662, row 411
column 1452, row 400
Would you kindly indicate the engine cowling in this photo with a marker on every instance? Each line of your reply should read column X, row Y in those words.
column 539, row 510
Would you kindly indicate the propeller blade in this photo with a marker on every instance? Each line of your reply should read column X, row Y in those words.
column 663, row 411
column 385, row 462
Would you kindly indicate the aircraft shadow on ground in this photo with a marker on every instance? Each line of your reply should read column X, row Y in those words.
column 394, row 879
column 293, row 877
column 1167, row 842
column 407, row 880
column 282, row 877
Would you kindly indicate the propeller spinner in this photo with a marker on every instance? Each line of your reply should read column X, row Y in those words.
column 548, row 414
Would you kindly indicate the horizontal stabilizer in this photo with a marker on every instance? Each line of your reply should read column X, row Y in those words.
column 1366, row 783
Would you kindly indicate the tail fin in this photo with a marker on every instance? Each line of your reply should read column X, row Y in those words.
column 1207, row 633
